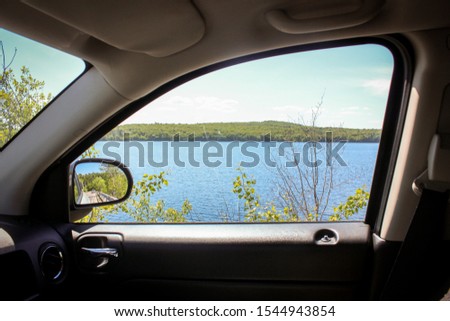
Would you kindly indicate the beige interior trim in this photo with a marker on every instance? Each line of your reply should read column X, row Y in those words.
column 424, row 108
column 309, row 16
column 138, row 26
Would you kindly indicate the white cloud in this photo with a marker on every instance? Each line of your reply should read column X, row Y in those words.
column 378, row 86
column 185, row 109
column 382, row 70
column 348, row 113
column 216, row 104
column 350, row 110
column 289, row 109
column 290, row 113
column 178, row 101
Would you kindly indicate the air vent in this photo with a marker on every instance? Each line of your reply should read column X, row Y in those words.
column 52, row 262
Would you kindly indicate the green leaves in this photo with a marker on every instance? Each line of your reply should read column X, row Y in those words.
column 91, row 152
column 21, row 97
column 140, row 205
column 243, row 187
column 352, row 206
column 245, row 190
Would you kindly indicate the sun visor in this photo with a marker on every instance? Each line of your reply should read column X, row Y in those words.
column 158, row 28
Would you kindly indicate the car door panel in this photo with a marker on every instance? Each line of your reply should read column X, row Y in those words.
column 173, row 261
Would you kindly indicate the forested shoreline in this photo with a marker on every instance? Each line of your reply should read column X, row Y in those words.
column 238, row 131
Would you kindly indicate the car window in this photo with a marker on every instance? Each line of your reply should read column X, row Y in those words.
column 31, row 75
column 282, row 139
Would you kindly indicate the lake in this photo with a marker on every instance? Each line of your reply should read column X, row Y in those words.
column 203, row 172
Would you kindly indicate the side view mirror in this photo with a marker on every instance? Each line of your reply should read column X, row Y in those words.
column 98, row 182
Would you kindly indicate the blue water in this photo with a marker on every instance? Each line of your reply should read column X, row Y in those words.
column 209, row 188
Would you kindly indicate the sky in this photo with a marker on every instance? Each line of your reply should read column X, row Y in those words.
column 352, row 82
column 56, row 68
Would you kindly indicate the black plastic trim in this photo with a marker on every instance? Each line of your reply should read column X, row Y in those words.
column 236, row 251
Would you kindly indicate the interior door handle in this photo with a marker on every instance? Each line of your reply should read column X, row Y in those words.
column 101, row 255
column 101, row 252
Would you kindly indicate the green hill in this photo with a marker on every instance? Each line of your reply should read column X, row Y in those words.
column 239, row 131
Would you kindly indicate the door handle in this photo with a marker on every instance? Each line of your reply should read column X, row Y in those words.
column 101, row 252
column 100, row 255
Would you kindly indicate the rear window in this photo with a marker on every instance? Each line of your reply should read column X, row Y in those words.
column 32, row 74
column 288, row 138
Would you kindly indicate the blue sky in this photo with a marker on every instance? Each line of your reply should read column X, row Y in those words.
column 56, row 68
column 354, row 82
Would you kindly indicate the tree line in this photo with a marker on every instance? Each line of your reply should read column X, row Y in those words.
column 238, row 131
column 110, row 181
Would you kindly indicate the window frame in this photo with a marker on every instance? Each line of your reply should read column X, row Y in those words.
column 391, row 131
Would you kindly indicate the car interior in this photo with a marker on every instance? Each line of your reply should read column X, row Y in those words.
column 136, row 51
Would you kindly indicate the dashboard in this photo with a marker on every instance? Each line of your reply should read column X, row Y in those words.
column 33, row 259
